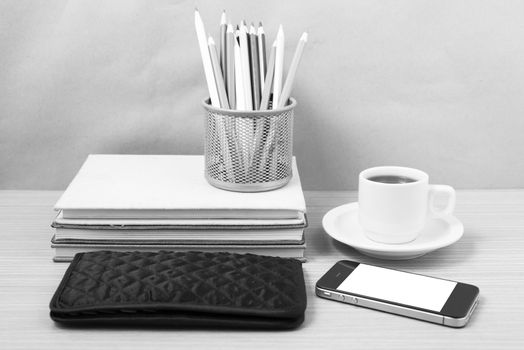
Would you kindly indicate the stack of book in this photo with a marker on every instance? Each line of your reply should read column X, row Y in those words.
column 163, row 202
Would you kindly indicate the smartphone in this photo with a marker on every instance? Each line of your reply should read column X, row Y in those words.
column 422, row 297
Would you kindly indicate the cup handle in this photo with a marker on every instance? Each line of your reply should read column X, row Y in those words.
column 447, row 190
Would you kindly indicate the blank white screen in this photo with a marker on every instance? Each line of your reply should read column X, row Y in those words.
column 399, row 287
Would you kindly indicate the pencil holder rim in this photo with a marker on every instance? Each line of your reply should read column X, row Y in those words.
column 239, row 113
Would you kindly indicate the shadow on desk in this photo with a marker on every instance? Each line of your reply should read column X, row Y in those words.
column 161, row 327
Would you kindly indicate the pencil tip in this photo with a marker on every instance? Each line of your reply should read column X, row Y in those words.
column 280, row 31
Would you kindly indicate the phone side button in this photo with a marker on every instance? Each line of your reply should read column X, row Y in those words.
column 351, row 300
column 327, row 294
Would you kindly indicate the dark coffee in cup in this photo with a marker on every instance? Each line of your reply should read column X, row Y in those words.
column 391, row 179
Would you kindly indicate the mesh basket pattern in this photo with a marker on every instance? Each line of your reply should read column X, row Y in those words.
column 249, row 151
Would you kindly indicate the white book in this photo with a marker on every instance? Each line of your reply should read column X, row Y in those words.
column 184, row 231
column 205, row 236
column 168, row 187
column 66, row 252
column 129, row 224
column 184, row 234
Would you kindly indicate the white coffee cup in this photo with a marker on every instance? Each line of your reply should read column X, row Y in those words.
column 395, row 203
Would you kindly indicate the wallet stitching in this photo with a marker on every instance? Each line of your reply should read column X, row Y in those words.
column 58, row 294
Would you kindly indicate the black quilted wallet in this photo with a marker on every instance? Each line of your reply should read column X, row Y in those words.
column 182, row 289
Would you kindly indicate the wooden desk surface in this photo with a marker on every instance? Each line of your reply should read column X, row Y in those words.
column 490, row 255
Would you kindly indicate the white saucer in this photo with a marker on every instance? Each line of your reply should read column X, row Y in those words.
column 342, row 224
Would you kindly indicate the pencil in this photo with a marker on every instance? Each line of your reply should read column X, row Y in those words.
column 239, row 123
column 244, row 56
column 206, row 60
column 230, row 66
column 218, row 74
column 255, row 68
column 223, row 46
column 290, row 79
column 262, row 54
column 268, row 159
column 279, row 67
column 239, row 79
column 264, row 104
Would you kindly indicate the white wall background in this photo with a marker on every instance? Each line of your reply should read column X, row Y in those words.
column 435, row 84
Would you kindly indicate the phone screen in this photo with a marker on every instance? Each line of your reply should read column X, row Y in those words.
column 398, row 287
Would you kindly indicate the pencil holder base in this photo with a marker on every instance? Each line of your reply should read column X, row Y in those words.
column 258, row 187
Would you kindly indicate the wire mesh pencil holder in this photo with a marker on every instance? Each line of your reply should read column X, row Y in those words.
column 248, row 151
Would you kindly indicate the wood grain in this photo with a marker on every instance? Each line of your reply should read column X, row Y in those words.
column 490, row 255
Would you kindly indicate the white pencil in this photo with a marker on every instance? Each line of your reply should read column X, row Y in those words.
column 290, row 79
column 264, row 104
column 239, row 79
column 262, row 54
column 255, row 67
column 221, row 87
column 279, row 68
column 223, row 47
column 230, row 66
column 244, row 56
column 206, row 60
